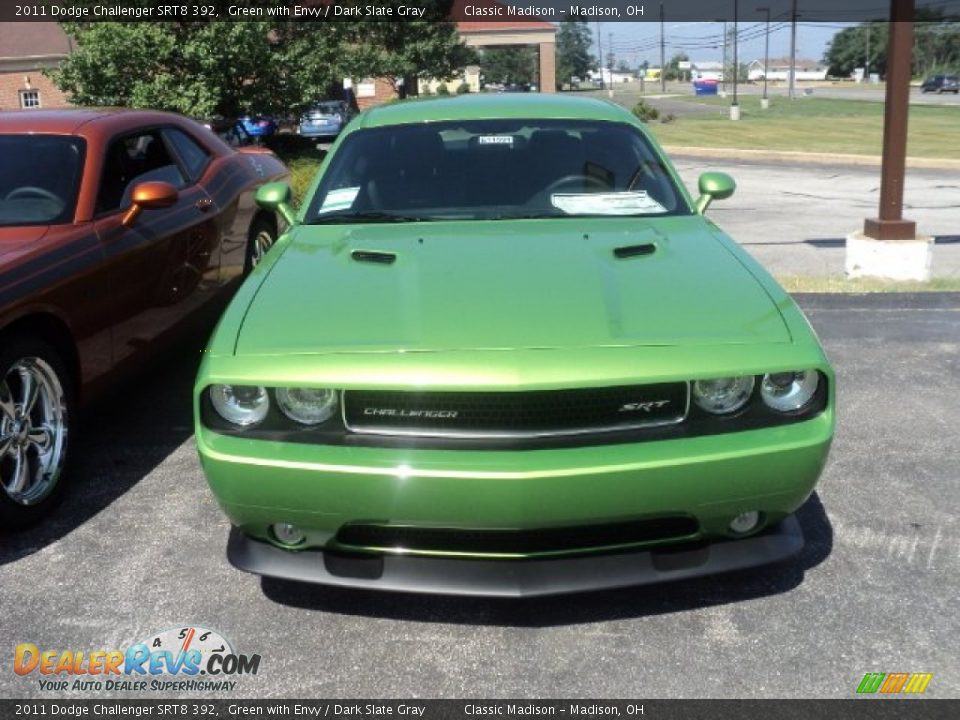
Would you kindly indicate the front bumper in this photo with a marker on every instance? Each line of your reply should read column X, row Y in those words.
column 516, row 578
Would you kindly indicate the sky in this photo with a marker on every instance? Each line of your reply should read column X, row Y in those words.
column 636, row 42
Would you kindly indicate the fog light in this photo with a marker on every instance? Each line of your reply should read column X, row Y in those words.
column 287, row 534
column 745, row 522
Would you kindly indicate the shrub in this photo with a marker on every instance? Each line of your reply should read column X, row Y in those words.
column 645, row 111
column 463, row 88
column 442, row 89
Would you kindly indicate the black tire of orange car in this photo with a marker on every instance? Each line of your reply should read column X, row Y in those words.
column 260, row 238
column 22, row 435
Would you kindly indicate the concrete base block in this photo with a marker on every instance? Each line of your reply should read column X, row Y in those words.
column 734, row 112
column 764, row 103
column 894, row 259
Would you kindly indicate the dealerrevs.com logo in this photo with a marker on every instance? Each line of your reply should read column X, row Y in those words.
column 186, row 659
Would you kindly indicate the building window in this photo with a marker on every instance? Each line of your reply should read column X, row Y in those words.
column 29, row 99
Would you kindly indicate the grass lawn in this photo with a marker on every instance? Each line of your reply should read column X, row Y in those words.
column 810, row 284
column 811, row 125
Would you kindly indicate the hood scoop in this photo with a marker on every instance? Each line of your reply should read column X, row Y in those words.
column 374, row 256
column 629, row 251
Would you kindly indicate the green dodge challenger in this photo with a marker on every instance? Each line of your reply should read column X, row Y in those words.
column 501, row 351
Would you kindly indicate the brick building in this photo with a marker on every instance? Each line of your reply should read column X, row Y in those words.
column 26, row 50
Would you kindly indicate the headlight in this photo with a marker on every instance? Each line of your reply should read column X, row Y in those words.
column 789, row 391
column 307, row 406
column 243, row 405
column 722, row 396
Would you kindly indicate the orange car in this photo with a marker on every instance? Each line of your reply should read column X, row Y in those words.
column 115, row 226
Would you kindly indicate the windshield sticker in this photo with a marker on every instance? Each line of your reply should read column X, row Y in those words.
column 612, row 203
column 495, row 140
column 340, row 199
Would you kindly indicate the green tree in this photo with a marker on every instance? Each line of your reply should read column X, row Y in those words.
column 848, row 49
column 936, row 46
column 232, row 68
column 672, row 71
column 405, row 51
column 510, row 64
column 573, row 51
column 199, row 69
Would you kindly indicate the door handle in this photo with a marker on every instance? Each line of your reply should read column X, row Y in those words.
column 204, row 204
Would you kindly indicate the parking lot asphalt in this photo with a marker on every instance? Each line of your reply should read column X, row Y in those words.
column 795, row 218
column 138, row 547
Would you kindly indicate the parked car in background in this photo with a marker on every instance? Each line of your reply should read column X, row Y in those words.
column 325, row 119
column 230, row 130
column 502, row 351
column 116, row 227
column 941, row 84
column 258, row 126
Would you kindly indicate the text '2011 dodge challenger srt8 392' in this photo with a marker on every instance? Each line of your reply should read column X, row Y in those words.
column 501, row 351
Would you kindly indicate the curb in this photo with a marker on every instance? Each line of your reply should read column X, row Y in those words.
column 805, row 158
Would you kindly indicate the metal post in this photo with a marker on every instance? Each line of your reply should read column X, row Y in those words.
column 891, row 225
column 610, row 61
column 723, row 74
column 736, row 61
column 793, row 50
column 600, row 54
column 766, row 51
column 866, row 64
column 663, row 55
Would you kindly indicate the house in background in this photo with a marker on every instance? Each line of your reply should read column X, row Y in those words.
column 26, row 50
column 780, row 70
column 706, row 70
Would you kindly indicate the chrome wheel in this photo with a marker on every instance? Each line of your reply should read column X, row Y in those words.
column 33, row 430
column 262, row 242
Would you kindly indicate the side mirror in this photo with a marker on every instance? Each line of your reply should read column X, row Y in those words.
column 275, row 197
column 714, row 186
column 150, row 195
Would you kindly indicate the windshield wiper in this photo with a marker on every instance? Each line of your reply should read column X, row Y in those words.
column 372, row 217
column 528, row 216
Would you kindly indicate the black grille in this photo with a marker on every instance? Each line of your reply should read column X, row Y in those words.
column 489, row 541
column 539, row 412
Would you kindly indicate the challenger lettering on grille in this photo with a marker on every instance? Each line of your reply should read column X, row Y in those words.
column 504, row 413
column 394, row 412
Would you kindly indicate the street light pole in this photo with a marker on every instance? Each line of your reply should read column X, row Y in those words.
column 735, row 108
column 600, row 53
column 866, row 64
column 765, row 101
column 723, row 71
column 663, row 55
column 793, row 49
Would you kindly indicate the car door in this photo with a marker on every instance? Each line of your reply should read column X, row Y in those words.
column 160, row 261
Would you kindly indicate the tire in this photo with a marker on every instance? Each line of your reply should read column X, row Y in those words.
column 33, row 444
column 260, row 238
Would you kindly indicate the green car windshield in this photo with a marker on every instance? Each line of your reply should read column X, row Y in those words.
column 494, row 170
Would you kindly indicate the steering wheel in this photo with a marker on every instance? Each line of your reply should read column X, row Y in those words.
column 570, row 179
column 33, row 191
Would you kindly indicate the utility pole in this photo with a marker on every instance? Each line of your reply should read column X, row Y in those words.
column 765, row 101
column 610, row 60
column 723, row 74
column 793, row 50
column 600, row 54
column 663, row 55
column 866, row 64
column 735, row 108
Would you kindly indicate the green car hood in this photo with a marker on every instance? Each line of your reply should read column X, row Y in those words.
column 507, row 284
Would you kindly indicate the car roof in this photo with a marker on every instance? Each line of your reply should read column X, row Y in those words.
column 80, row 121
column 490, row 106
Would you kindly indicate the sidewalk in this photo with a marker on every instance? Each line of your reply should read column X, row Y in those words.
column 804, row 158
column 794, row 217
